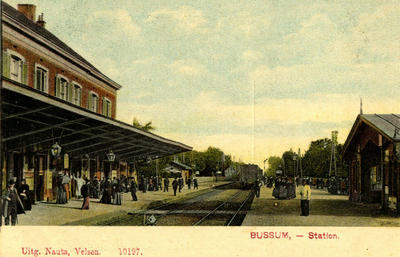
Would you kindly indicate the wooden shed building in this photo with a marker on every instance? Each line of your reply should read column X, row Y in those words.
column 372, row 151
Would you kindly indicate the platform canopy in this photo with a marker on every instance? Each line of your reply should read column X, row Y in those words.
column 33, row 121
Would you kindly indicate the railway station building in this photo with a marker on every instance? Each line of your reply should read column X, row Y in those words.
column 58, row 112
column 372, row 152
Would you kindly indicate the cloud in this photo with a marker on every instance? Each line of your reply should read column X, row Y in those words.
column 377, row 37
column 188, row 67
column 113, row 24
column 185, row 18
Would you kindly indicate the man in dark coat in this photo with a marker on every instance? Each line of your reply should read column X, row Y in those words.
column 258, row 187
column 166, row 184
column 12, row 205
column 175, row 185
column 180, row 184
column 195, row 185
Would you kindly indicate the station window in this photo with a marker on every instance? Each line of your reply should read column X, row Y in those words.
column 77, row 94
column 107, row 104
column 93, row 102
column 15, row 67
column 41, row 79
column 63, row 89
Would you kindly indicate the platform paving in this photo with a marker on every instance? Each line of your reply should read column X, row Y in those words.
column 325, row 210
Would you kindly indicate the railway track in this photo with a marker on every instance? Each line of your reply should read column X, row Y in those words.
column 226, row 207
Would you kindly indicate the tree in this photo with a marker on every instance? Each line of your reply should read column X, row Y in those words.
column 273, row 165
column 213, row 160
column 147, row 127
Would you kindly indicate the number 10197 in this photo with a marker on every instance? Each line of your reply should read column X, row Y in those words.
column 129, row 251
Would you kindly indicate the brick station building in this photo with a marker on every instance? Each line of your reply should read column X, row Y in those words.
column 372, row 151
column 52, row 97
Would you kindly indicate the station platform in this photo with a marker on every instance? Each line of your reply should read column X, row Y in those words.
column 52, row 214
column 325, row 210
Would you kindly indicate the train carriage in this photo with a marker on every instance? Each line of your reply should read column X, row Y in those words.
column 249, row 174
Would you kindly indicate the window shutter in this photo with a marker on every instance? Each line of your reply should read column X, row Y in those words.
column 6, row 65
column 110, row 115
column 36, row 78
column 24, row 73
column 58, row 87
column 71, row 90
column 90, row 102
column 104, row 106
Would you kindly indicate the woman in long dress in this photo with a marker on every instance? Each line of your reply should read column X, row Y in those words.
column 85, row 194
column 133, row 189
column 117, row 194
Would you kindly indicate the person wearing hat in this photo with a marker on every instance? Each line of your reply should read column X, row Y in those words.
column 24, row 195
column 305, row 193
column 12, row 204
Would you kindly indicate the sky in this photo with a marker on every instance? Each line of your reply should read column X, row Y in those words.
column 253, row 78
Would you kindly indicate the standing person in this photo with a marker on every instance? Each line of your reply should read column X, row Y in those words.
column 106, row 197
column 175, row 185
column 61, row 194
column 96, row 188
column 305, row 193
column 166, row 184
column 180, row 184
column 117, row 200
column 195, row 185
column 133, row 189
column 25, row 195
column 11, row 204
column 258, row 187
column 144, row 185
column 65, row 182
column 85, row 194
column 189, row 183
column 160, row 183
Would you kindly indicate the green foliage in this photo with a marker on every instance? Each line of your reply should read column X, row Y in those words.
column 315, row 163
column 206, row 163
column 147, row 127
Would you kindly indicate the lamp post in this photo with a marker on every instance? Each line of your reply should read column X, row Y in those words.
column 55, row 151
column 111, row 158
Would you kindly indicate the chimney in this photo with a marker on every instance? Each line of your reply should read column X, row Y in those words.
column 29, row 10
column 40, row 21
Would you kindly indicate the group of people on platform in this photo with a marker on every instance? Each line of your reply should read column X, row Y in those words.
column 284, row 188
column 338, row 186
column 110, row 191
column 156, row 184
column 16, row 200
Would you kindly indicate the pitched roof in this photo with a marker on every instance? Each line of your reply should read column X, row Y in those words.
column 27, row 23
column 181, row 165
column 388, row 125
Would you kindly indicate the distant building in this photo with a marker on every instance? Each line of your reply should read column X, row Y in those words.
column 372, row 152
column 180, row 169
column 232, row 173
column 58, row 112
